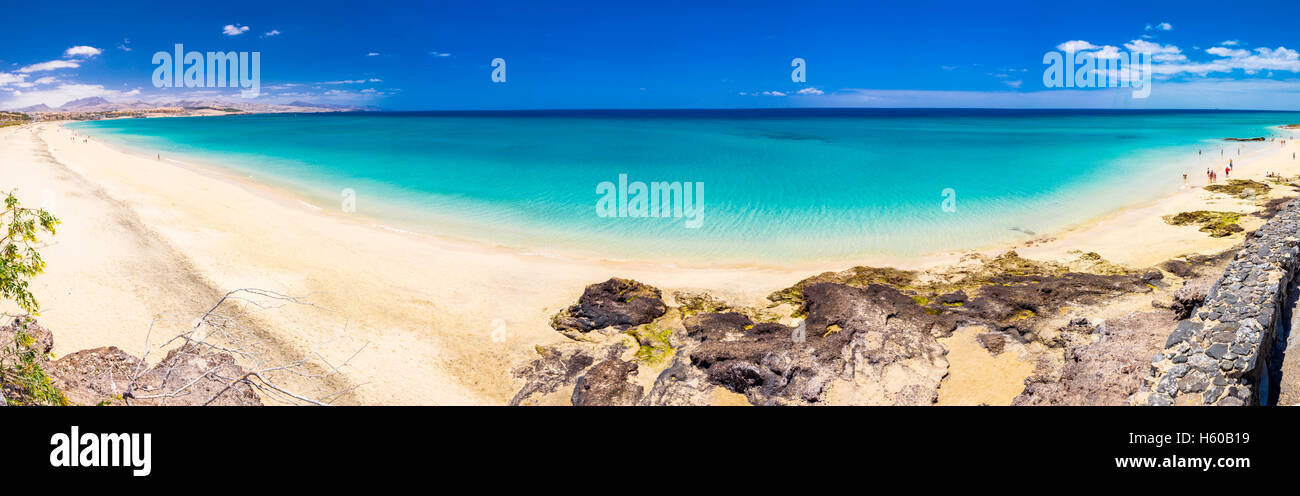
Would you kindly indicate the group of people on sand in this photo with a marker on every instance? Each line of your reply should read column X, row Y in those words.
column 1213, row 175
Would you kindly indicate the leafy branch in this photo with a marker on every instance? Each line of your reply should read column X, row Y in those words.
column 19, row 260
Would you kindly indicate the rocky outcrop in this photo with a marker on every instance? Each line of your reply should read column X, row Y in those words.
column 874, row 337
column 1218, row 356
column 187, row 376
column 607, row 384
column 24, row 354
column 1103, row 365
column 194, row 375
column 619, row 303
column 1190, row 297
column 681, row 384
column 559, row 366
column 867, row 336
column 96, row 375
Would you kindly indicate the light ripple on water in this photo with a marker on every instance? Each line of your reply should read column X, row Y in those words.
column 779, row 187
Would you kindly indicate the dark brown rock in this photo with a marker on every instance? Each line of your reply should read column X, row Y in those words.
column 1180, row 268
column 558, row 366
column 607, row 384
column 850, row 332
column 992, row 341
column 620, row 303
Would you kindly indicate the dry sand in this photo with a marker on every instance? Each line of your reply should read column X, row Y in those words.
column 143, row 238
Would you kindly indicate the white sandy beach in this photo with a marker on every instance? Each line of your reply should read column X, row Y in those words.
column 143, row 238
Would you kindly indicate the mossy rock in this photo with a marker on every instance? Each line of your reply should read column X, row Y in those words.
column 1240, row 187
column 655, row 343
column 858, row 277
column 1218, row 224
column 923, row 290
column 691, row 303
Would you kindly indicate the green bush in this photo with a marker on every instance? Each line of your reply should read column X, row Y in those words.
column 19, row 260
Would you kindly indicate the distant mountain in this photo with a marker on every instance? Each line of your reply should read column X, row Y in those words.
column 99, row 104
column 40, row 107
column 88, row 103
column 332, row 107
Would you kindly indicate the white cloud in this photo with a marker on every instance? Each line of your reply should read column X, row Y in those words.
column 773, row 93
column 372, row 54
column 7, row 78
column 82, row 51
column 810, row 91
column 1014, row 84
column 234, row 30
column 1206, row 93
column 1280, row 58
column 1227, row 52
column 1168, row 60
column 1107, row 52
column 125, row 45
column 51, row 65
column 1250, row 62
column 1159, row 53
column 440, row 54
column 352, row 81
column 1076, row 46
column 273, row 32
column 1101, row 52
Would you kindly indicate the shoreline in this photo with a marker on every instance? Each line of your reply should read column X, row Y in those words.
column 426, row 304
column 286, row 194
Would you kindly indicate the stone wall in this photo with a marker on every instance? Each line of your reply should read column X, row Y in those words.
column 1217, row 356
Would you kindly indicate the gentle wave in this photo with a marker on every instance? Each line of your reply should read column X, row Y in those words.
column 780, row 187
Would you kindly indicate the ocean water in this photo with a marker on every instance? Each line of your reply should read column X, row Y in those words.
column 779, row 186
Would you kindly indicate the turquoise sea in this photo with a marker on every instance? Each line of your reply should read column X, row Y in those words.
column 780, row 186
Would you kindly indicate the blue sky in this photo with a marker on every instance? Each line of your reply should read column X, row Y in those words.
column 437, row 55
